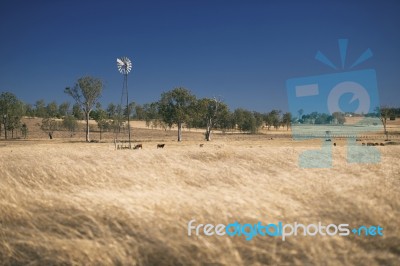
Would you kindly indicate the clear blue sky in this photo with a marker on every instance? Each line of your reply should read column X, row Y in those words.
column 242, row 51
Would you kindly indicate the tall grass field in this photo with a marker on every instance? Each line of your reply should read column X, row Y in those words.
column 67, row 202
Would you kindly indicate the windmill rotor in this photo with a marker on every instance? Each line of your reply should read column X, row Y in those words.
column 124, row 65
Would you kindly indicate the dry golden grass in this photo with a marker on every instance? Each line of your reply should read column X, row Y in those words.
column 67, row 203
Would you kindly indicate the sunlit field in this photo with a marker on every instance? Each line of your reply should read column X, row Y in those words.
column 65, row 202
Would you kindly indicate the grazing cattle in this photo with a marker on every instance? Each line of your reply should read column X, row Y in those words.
column 138, row 146
column 334, row 144
column 161, row 146
column 376, row 144
column 370, row 144
column 201, row 145
column 328, row 140
column 358, row 139
column 382, row 144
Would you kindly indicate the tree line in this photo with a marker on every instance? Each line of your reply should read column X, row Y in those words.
column 178, row 107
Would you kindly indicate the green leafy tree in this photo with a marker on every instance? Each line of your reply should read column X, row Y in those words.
column 29, row 110
column 140, row 112
column 268, row 119
column 339, row 117
column 101, row 119
column 119, row 119
column 259, row 118
column 227, row 120
column 286, row 119
column 276, row 114
column 52, row 109
column 384, row 113
column 322, row 119
column 130, row 109
column 86, row 93
column 245, row 120
column 95, row 112
column 40, row 109
column 272, row 119
column 49, row 125
column 11, row 112
column 114, row 112
column 239, row 117
column 175, row 107
column 151, row 114
column 111, row 110
column 208, row 114
column 77, row 112
column 63, row 109
column 14, row 120
column 70, row 123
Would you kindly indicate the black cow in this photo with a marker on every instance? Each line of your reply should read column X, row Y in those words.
column 138, row 146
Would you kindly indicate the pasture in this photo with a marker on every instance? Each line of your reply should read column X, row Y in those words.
column 65, row 202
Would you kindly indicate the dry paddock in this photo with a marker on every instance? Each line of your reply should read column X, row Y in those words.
column 66, row 202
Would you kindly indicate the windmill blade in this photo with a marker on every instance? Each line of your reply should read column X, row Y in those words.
column 120, row 62
column 124, row 65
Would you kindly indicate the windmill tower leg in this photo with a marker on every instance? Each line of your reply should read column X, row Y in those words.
column 128, row 111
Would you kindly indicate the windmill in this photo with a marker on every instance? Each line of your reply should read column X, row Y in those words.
column 124, row 65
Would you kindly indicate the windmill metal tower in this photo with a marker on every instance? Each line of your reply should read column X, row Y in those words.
column 124, row 65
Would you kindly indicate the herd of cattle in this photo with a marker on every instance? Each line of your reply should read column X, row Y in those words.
column 162, row 145
column 373, row 144
column 363, row 143
column 140, row 146
column 137, row 146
